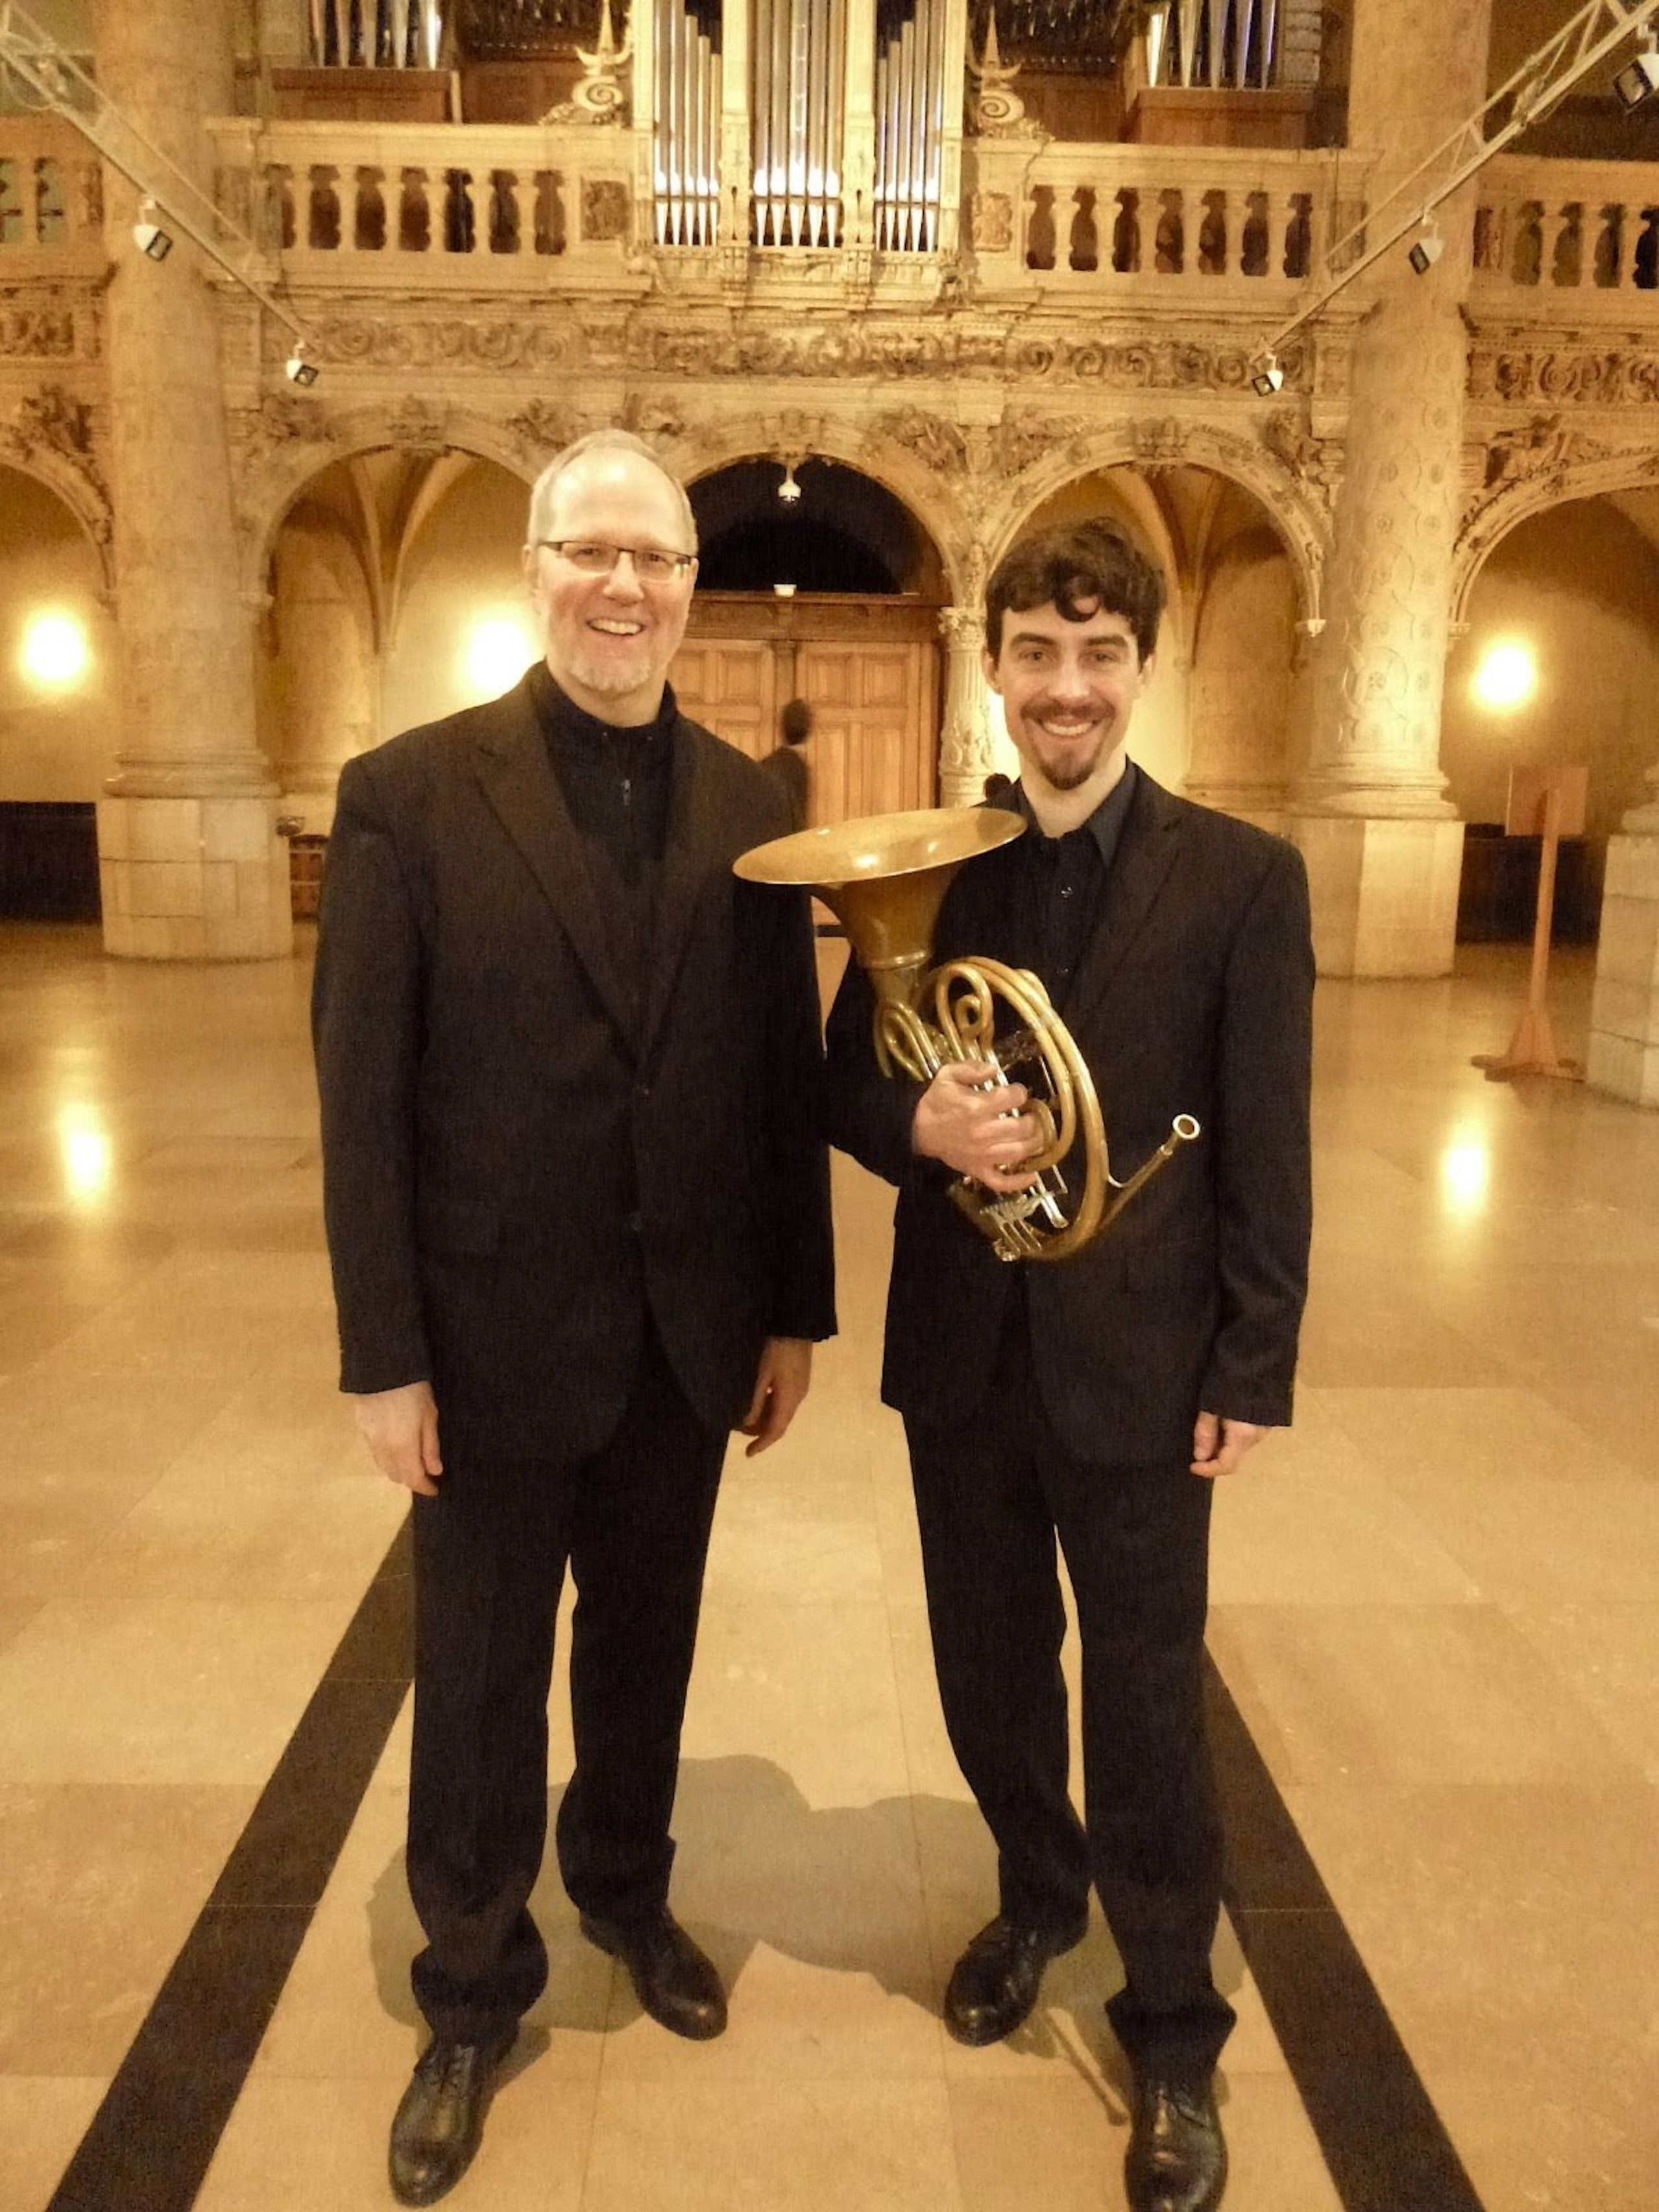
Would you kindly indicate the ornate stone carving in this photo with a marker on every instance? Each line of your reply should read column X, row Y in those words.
column 53, row 417
column 601, row 96
column 936, row 443
column 38, row 333
column 949, row 347
column 1566, row 373
column 1315, row 463
column 990, row 221
column 416, row 426
column 1545, row 445
column 996, row 109
column 52, row 432
column 604, row 209
column 654, row 420
column 1017, row 443
column 544, row 427
column 373, row 341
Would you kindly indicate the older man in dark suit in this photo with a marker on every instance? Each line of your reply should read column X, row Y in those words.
column 1096, row 1400
column 578, row 1213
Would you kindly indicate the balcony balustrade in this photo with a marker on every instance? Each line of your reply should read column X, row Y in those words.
column 540, row 208
column 1587, row 230
column 1161, row 222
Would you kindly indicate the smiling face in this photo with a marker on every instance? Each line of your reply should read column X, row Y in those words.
column 609, row 639
column 1068, row 690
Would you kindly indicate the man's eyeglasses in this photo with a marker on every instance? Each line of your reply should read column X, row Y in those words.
column 651, row 564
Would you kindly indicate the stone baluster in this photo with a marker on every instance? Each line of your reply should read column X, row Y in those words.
column 192, row 863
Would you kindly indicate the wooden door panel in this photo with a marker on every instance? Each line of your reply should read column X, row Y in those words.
column 727, row 686
column 874, row 727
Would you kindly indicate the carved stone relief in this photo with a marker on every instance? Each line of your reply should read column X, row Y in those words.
column 990, row 221
column 604, row 209
column 1566, row 373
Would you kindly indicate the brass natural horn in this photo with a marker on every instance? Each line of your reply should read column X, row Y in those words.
column 884, row 877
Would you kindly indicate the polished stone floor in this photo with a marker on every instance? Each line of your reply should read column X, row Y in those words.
column 1435, row 1606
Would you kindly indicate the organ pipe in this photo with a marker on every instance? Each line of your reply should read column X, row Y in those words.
column 910, row 110
column 797, row 93
column 685, row 124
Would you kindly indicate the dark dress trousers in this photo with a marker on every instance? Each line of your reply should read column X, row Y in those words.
column 1056, row 1401
column 572, row 1176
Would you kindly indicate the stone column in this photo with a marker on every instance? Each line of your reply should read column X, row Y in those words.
column 191, row 864
column 1383, row 843
column 1623, row 1041
column 966, row 757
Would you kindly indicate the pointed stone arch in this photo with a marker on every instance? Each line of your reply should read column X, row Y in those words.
column 81, row 492
column 283, row 446
column 1553, row 469
column 1296, row 513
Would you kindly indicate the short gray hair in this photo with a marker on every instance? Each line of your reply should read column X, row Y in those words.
column 614, row 441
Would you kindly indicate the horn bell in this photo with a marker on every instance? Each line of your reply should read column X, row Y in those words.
column 884, row 877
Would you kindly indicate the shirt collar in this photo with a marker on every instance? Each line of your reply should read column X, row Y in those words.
column 1104, row 825
column 561, row 716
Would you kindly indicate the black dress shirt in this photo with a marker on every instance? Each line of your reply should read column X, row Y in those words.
column 615, row 784
column 1063, row 879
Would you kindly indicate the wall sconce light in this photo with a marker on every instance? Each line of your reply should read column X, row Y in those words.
column 789, row 490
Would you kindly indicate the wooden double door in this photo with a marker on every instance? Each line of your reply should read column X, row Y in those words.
column 869, row 669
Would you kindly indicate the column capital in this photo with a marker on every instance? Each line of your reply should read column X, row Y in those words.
column 963, row 628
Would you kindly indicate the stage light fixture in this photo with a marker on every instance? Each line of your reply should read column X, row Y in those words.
column 298, row 370
column 1639, row 78
column 1427, row 247
column 148, row 234
column 789, row 490
column 1266, row 377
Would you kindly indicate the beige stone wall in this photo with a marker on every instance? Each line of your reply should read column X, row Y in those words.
column 462, row 571
column 1240, row 754
column 1581, row 585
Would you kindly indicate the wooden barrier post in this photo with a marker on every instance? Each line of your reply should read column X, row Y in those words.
column 1558, row 795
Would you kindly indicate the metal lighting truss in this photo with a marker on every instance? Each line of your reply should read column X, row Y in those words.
column 1543, row 79
column 59, row 83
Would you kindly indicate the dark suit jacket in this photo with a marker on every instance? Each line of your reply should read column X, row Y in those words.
column 1194, row 995
column 786, row 766
column 518, row 1164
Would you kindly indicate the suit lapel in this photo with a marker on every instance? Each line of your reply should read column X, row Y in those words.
column 1146, row 852
column 692, row 834
column 519, row 781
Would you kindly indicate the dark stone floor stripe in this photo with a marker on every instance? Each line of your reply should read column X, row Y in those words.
column 153, row 2138
column 1385, row 2145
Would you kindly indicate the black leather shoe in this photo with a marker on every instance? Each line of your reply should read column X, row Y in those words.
column 995, row 1984
column 675, row 1982
column 1177, row 2159
column 440, row 2122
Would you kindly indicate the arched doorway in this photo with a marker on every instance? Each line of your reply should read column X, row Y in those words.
column 832, row 597
column 58, row 682
column 396, row 598
column 1557, row 662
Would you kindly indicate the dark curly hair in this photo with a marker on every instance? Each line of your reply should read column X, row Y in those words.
column 1080, row 568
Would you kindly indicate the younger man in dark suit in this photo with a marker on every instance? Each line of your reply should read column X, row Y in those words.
column 578, row 1219
column 1096, row 1400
